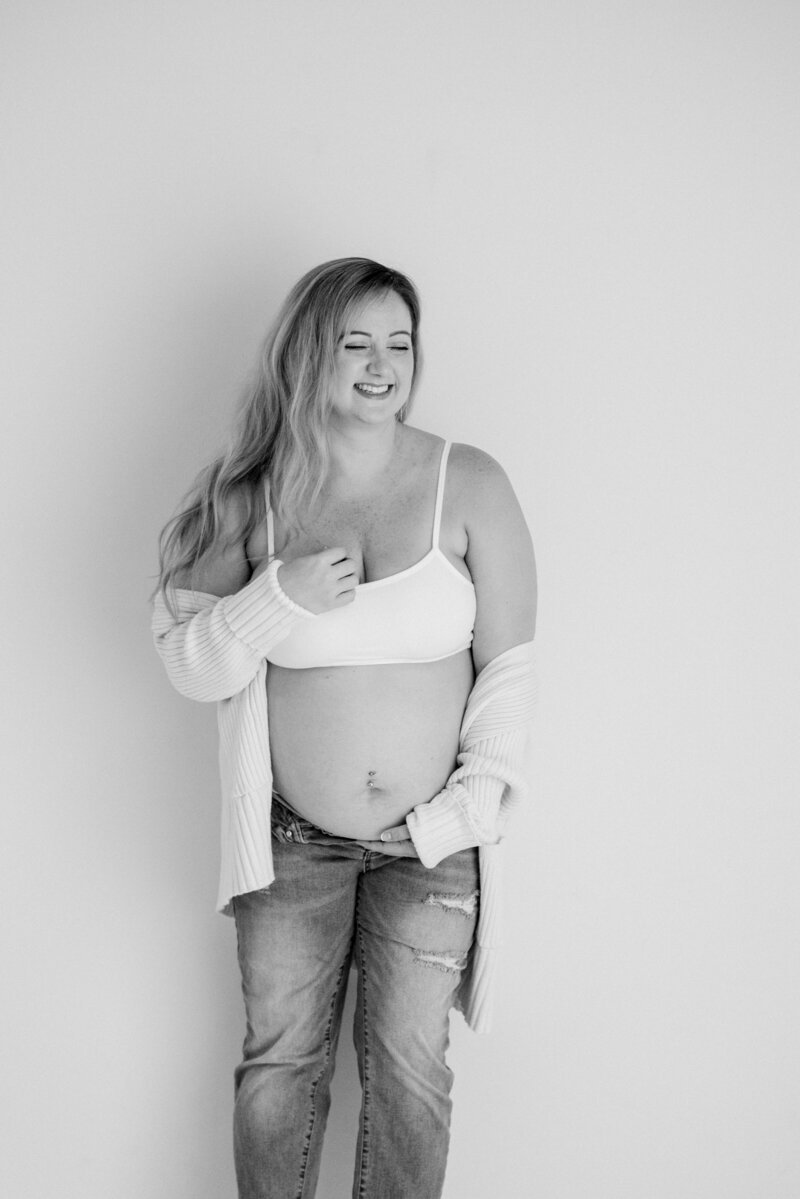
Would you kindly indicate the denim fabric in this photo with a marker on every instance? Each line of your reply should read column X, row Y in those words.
column 409, row 931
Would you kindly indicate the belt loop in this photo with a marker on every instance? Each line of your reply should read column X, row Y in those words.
column 298, row 835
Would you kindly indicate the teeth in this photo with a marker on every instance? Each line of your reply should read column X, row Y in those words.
column 373, row 390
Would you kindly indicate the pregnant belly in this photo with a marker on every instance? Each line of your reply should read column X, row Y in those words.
column 355, row 748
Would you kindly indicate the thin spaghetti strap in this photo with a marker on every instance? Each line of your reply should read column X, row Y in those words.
column 437, row 516
column 270, row 524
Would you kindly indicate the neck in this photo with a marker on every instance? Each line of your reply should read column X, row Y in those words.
column 361, row 453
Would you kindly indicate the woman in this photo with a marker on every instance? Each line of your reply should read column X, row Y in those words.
column 359, row 597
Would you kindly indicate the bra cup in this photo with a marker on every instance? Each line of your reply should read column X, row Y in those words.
column 420, row 615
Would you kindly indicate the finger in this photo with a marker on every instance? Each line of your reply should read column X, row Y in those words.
column 398, row 849
column 347, row 582
column 398, row 833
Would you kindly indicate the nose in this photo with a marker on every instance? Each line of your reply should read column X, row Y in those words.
column 377, row 361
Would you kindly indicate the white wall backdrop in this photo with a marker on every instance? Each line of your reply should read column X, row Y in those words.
column 599, row 202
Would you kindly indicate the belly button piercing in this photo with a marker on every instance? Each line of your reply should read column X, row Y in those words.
column 371, row 774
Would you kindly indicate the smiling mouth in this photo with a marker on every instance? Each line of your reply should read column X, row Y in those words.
column 371, row 389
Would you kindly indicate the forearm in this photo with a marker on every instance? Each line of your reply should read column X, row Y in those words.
column 467, row 811
column 213, row 647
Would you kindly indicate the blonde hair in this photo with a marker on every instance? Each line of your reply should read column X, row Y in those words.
column 281, row 429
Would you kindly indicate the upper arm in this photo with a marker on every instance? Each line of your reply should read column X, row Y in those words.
column 499, row 556
column 224, row 569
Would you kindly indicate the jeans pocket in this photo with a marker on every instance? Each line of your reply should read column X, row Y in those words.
column 284, row 824
column 290, row 829
column 284, row 836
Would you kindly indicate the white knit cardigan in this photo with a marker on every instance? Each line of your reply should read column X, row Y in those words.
column 215, row 649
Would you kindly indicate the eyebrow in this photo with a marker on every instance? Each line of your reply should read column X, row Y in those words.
column 361, row 333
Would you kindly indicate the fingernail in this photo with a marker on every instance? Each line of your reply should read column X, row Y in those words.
column 386, row 836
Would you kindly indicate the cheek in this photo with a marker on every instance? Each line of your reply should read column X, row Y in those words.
column 343, row 375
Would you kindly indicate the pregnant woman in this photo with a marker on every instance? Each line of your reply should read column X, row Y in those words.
column 358, row 596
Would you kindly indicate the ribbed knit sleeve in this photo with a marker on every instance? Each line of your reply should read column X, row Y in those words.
column 489, row 779
column 214, row 646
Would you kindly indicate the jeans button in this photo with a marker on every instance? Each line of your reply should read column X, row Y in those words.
column 289, row 833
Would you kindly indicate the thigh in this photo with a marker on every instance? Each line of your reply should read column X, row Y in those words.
column 415, row 928
column 294, row 940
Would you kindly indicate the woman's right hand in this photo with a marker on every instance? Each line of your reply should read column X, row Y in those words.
column 321, row 581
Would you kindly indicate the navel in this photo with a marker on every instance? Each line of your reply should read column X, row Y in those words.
column 374, row 787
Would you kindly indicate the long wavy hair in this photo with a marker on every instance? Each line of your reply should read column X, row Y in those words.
column 281, row 429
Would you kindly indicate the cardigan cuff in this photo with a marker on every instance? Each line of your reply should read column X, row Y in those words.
column 262, row 614
column 441, row 827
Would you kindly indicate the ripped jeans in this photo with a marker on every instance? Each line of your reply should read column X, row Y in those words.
column 409, row 931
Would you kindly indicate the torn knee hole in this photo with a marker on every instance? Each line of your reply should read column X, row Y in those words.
column 465, row 905
column 450, row 963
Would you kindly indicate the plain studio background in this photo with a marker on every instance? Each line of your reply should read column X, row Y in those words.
column 599, row 203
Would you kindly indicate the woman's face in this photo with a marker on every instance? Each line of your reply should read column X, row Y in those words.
column 374, row 362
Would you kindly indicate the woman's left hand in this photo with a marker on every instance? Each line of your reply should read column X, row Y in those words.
column 395, row 843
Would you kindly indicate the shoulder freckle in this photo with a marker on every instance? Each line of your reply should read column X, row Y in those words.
column 476, row 468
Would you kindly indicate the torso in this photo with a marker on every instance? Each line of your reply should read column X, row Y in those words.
column 331, row 726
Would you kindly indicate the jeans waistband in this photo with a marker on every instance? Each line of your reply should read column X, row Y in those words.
column 289, row 826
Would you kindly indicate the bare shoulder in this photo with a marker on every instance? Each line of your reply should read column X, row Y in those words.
column 224, row 568
column 471, row 460
column 480, row 484
column 418, row 447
